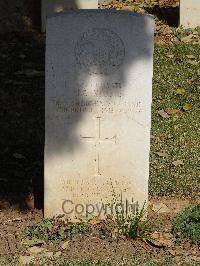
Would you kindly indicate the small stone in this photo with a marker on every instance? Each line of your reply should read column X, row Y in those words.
column 160, row 208
column 35, row 250
column 25, row 260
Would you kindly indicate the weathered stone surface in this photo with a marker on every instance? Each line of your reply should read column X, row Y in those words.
column 189, row 13
column 98, row 112
column 54, row 6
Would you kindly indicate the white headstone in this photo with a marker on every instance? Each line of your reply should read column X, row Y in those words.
column 98, row 111
column 55, row 6
column 190, row 13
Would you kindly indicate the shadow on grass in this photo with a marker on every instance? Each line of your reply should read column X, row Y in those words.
column 22, row 119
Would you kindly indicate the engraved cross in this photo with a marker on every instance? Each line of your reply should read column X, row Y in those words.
column 98, row 140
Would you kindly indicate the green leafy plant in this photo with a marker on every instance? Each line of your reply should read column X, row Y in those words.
column 53, row 229
column 133, row 226
column 187, row 224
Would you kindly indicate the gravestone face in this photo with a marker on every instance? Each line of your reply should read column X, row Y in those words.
column 189, row 13
column 54, row 6
column 98, row 112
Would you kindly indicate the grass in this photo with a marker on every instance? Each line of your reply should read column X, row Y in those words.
column 9, row 260
column 134, row 261
column 177, row 137
column 134, row 226
column 53, row 230
column 119, row 226
column 187, row 224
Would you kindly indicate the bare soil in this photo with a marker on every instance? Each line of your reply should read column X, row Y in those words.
column 12, row 224
column 97, row 245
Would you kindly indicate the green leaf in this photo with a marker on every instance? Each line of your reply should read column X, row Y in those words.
column 180, row 91
column 187, row 107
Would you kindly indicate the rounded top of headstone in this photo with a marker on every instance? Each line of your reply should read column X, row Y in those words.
column 94, row 12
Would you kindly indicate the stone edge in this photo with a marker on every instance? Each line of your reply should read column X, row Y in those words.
column 93, row 11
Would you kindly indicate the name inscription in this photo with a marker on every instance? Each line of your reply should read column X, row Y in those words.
column 105, row 97
column 79, row 187
column 97, row 106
